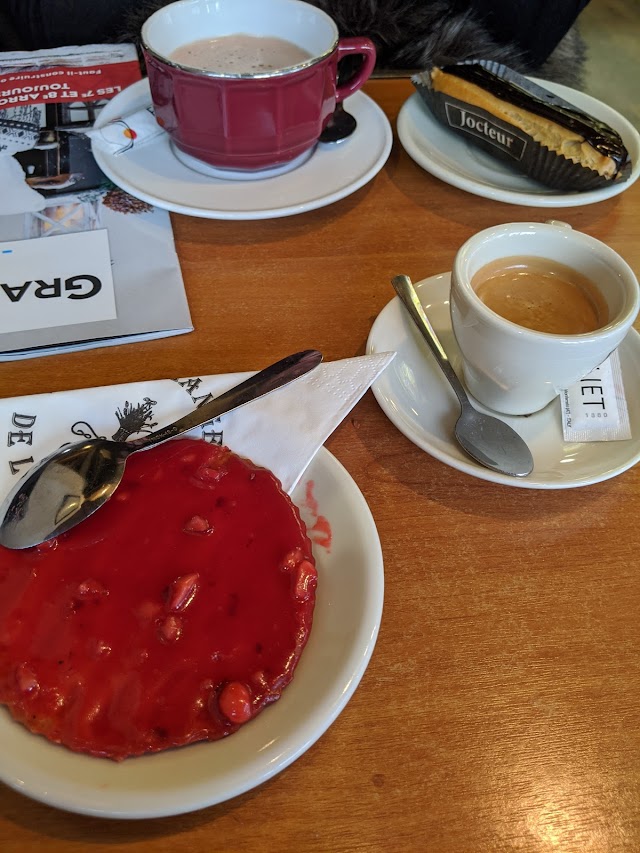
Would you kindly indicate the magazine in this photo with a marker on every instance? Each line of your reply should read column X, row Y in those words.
column 82, row 263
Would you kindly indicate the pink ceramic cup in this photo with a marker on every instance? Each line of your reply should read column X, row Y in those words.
column 248, row 121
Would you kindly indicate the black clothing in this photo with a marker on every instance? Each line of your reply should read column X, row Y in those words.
column 408, row 34
column 55, row 23
column 535, row 27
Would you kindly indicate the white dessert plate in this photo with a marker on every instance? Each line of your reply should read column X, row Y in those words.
column 448, row 156
column 345, row 626
column 417, row 398
column 154, row 174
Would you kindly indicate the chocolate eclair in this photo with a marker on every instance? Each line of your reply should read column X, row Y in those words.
column 514, row 119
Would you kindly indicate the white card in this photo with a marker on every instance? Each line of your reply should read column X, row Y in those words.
column 60, row 280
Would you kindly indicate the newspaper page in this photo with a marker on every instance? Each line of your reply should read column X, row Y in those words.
column 82, row 263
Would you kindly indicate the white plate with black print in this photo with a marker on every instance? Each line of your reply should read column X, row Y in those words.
column 453, row 159
column 345, row 626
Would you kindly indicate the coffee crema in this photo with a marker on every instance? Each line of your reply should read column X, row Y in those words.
column 240, row 54
column 542, row 295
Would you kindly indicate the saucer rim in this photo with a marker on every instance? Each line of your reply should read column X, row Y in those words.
column 140, row 89
column 407, row 124
column 462, row 463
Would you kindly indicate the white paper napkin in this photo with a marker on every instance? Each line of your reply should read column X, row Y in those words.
column 281, row 431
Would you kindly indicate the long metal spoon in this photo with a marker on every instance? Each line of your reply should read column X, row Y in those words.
column 73, row 482
column 488, row 440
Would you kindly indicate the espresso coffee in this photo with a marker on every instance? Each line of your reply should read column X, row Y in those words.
column 542, row 295
column 240, row 54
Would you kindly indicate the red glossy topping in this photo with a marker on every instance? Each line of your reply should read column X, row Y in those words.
column 174, row 614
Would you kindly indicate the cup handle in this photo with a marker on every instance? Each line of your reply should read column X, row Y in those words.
column 366, row 48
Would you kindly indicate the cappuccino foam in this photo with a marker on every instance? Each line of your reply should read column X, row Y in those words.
column 542, row 295
column 240, row 54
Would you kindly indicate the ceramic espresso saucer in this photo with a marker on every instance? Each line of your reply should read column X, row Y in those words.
column 417, row 399
column 456, row 161
column 153, row 173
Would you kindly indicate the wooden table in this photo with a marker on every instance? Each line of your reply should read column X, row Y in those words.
column 500, row 709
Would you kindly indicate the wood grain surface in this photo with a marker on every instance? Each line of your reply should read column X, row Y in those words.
column 500, row 709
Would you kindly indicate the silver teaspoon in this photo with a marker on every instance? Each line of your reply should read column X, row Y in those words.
column 488, row 440
column 68, row 486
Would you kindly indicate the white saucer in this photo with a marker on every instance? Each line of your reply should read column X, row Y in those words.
column 448, row 156
column 345, row 626
column 416, row 397
column 154, row 174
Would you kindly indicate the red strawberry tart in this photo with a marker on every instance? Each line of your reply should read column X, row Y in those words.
column 174, row 614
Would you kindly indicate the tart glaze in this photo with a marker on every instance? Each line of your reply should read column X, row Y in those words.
column 174, row 614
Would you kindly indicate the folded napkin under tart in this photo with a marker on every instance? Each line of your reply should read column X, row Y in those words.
column 281, row 431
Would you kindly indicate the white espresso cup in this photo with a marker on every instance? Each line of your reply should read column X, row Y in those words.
column 516, row 370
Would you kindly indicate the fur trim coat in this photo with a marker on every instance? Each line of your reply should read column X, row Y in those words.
column 411, row 35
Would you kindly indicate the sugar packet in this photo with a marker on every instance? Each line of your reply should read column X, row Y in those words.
column 595, row 408
column 123, row 134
